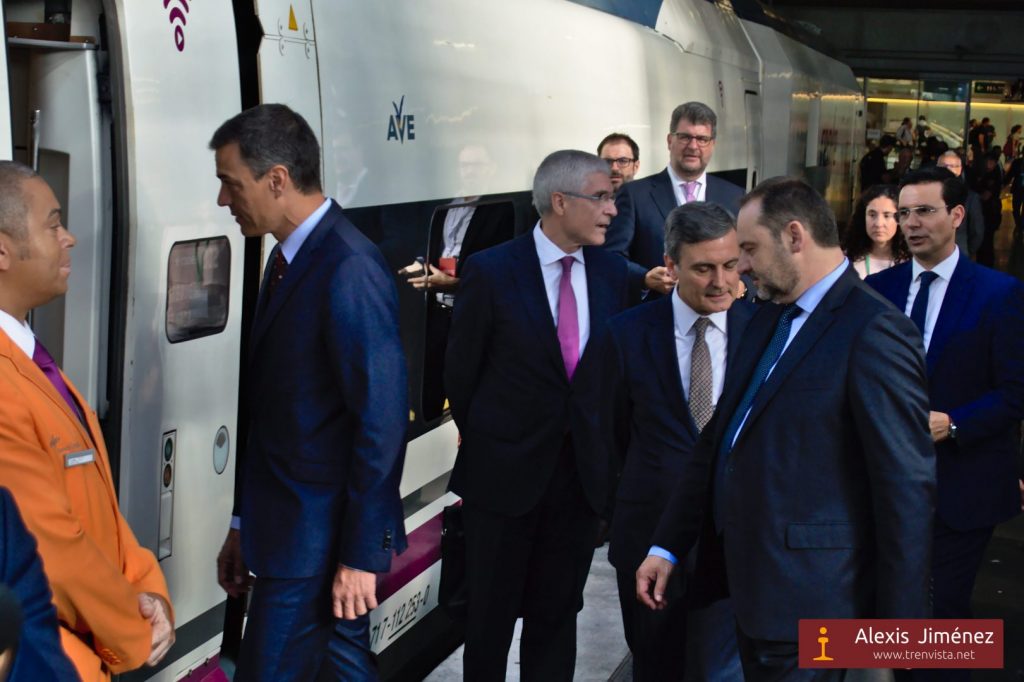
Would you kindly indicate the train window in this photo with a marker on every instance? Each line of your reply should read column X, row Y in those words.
column 457, row 230
column 198, row 277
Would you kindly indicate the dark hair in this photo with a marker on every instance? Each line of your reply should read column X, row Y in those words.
column 272, row 134
column 785, row 199
column 857, row 243
column 887, row 141
column 13, row 209
column 620, row 137
column 1015, row 128
column 695, row 222
column 954, row 191
column 696, row 113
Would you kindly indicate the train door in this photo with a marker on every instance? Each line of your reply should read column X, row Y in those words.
column 6, row 140
column 752, row 104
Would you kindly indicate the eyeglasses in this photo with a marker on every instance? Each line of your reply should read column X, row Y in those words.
column 600, row 197
column 621, row 161
column 701, row 140
column 920, row 211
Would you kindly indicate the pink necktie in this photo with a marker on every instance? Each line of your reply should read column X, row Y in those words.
column 568, row 322
column 45, row 361
column 690, row 190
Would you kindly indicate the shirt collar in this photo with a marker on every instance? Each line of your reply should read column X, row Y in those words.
column 685, row 316
column 944, row 269
column 21, row 334
column 810, row 299
column 293, row 242
column 548, row 251
column 676, row 180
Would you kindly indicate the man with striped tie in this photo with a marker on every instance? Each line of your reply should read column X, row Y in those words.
column 815, row 480
column 664, row 366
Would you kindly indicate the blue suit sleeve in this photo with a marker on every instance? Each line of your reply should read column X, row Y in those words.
column 366, row 355
column 889, row 402
column 1000, row 408
column 620, row 234
column 40, row 657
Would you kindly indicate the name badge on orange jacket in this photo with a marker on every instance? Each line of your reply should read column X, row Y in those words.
column 77, row 459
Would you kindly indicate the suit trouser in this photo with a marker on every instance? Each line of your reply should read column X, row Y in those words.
column 657, row 639
column 534, row 566
column 292, row 634
column 956, row 558
column 767, row 661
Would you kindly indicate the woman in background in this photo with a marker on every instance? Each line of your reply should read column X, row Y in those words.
column 873, row 241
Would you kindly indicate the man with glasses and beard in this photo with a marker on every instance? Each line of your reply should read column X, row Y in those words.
column 623, row 156
column 643, row 205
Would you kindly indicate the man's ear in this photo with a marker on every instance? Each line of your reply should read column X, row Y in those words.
column 670, row 265
column 795, row 235
column 6, row 252
column 278, row 179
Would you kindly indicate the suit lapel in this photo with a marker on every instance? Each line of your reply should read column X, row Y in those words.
column 31, row 372
column 661, row 343
column 954, row 303
column 816, row 325
column 297, row 269
column 741, row 366
column 530, row 283
column 663, row 194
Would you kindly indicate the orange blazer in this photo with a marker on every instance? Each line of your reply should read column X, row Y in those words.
column 95, row 566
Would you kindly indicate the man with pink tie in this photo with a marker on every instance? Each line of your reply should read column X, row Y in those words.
column 517, row 374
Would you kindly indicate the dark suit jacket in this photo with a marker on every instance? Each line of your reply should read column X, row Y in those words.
column 329, row 413
column 972, row 230
column 644, row 403
column 829, row 491
column 40, row 657
column 638, row 231
column 506, row 381
column 490, row 225
column 976, row 375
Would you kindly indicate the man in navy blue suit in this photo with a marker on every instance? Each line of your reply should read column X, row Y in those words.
column 664, row 366
column 972, row 321
column 317, row 512
column 816, row 477
column 38, row 656
column 638, row 231
column 526, row 312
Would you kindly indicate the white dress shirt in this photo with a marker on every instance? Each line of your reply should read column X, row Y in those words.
column 715, row 336
column 19, row 331
column 677, row 186
column 551, row 267
column 293, row 242
column 936, row 292
column 456, row 224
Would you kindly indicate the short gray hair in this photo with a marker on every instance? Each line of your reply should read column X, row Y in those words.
column 566, row 170
column 696, row 113
column 695, row 222
column 13, row 210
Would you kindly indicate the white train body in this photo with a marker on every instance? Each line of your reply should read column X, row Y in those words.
column 152, row 328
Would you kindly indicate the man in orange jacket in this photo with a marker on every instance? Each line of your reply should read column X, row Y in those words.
column 111, row 597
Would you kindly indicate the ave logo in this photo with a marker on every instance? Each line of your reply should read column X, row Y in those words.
column 401, row 127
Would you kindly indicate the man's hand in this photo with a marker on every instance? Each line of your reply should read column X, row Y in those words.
column 157, row 611
column 938, row 424
column 658, row 279
column 436, row 279
column 651, row 579
column 232, row 573
column 354, row 593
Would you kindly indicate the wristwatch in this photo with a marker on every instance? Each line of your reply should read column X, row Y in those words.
column 952, row 430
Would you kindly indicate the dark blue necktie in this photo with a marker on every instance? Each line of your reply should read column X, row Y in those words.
column 920, row 309
column 768, row 359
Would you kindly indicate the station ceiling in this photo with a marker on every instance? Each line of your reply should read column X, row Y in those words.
column 954, row 39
